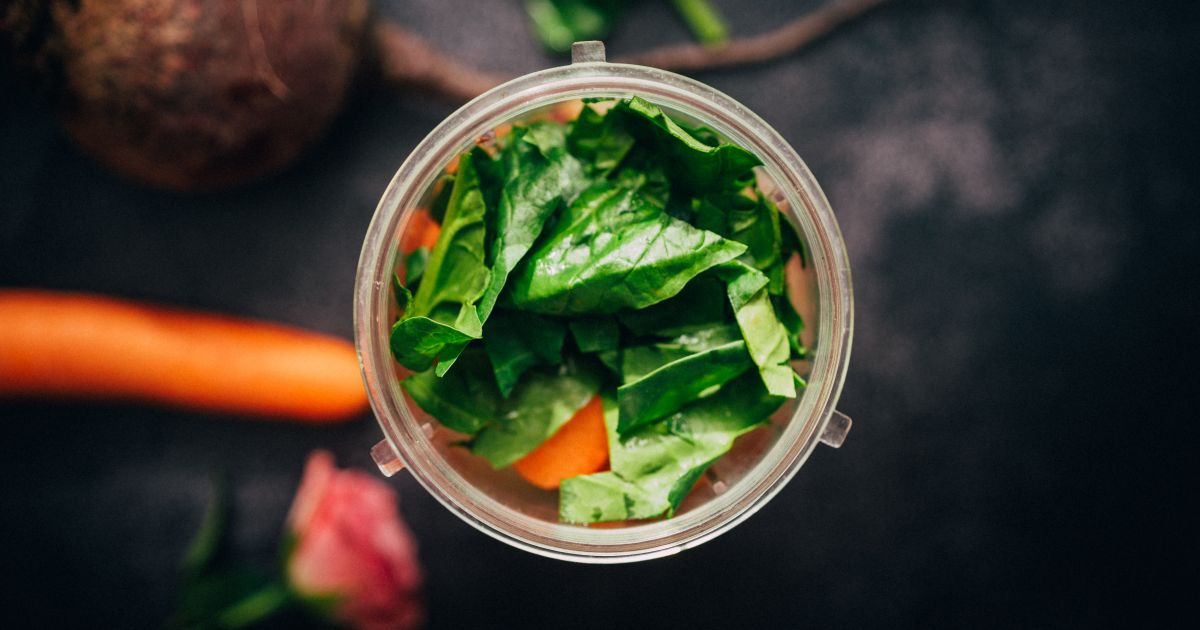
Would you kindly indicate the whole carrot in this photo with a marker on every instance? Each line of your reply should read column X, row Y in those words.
column 89, row 347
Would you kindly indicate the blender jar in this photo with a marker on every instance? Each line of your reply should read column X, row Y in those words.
column 498, row 502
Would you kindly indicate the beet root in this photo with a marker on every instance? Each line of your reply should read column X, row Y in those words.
column 191, row 94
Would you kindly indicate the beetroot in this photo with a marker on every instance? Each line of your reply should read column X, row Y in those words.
column 191, row 94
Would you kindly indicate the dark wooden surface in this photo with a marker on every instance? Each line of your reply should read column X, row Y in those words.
column 1016, row 183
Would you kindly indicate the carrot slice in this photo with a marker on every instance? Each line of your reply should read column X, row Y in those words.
column 579, row 447
column 78, row 346
column 421, row 231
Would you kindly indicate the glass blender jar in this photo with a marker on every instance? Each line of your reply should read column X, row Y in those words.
column 760, row 464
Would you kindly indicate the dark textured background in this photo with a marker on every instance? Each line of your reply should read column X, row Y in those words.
column 1015, row 181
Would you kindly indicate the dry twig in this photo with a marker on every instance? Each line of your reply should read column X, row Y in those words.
column 773, row 44
column 408, row 60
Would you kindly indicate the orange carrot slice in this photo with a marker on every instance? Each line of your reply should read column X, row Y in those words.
column 579, row 447
column 421, row 231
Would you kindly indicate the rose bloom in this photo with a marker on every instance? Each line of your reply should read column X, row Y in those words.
column 351, row 548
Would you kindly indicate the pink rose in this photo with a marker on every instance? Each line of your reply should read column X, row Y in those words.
column 351, row 546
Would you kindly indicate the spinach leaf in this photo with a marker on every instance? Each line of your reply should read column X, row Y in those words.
column 539, row 176
column 542, row 402
column 595, row 334
column 441, row 318
column 414, row 266
column 403, row 295
column 766, row 338
column 751, row 220
column 605, row 496
column 610, row 250
column 638, row 361
column 693, row 165
column 416, row 341
column 792, row 322
column 441, row 201
column 755, row 222
column 670, row 387
column 653, row 469
column 599, row 140
column 791, row 243
column 464, row 400
column 700, row 305
column 611, row 359
column 516, row 342
column 491, row 180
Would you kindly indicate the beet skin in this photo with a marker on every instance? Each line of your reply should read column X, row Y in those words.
column 191, row 94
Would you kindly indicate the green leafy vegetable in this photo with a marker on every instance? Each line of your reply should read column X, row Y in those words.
column 595, row 334
column 403, row 295
column 791, row 243
column 464, row 400
column 468, row 401
column 539, row 176
column 638, row 361
column 753, row 221
column 652, row 469
column 442, row 318
column 766, row 338
column 414, row 266
column 600, row 141
column 670, row 387
column 543, row 402
column 611, row 250
column 700, row 305
column 647, row 238
column 697, row 167
column 441, row 201
column 792, row 323
column 516, row 342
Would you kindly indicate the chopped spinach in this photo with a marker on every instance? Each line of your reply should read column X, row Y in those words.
column 752, row 221
column 540, row 405
column 464, row 400
column 442, row 318
column 596, row 334
column 516, row 342
column 766, row 338
column 539, row 176
column 699, row 306
column 650, row 241
column 696, row 166
column 611, row 250
column 638, row 361
column 414, row 266
column 600, row 141
column 677, row 383
column 653, row 468
column 792, row 322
